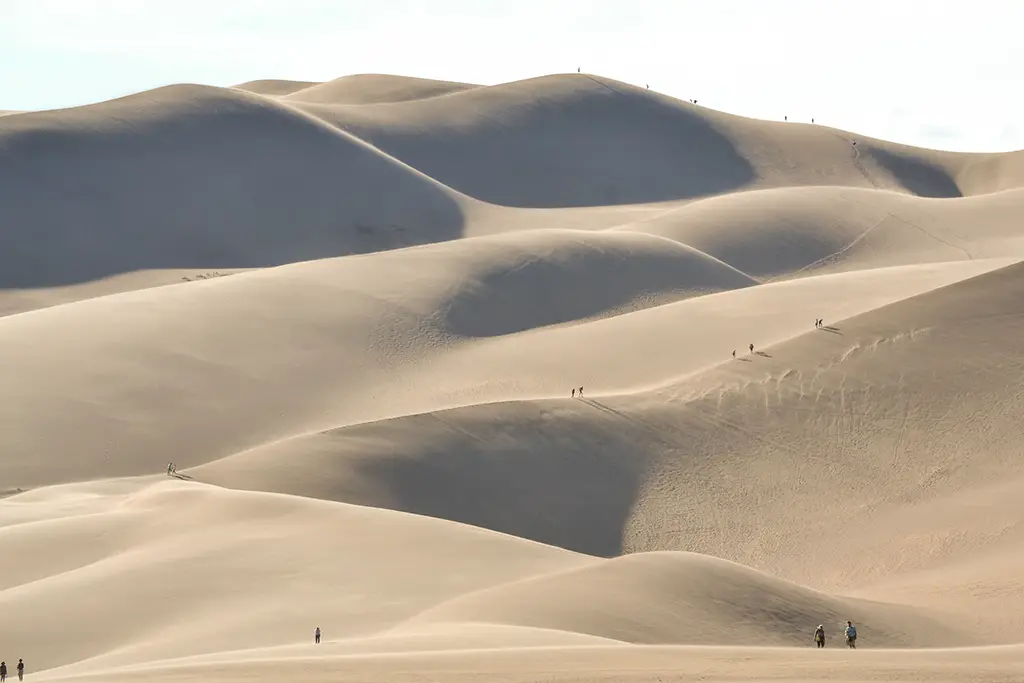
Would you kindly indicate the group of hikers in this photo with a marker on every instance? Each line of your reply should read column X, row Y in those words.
column 3, row 671
column 850, row 632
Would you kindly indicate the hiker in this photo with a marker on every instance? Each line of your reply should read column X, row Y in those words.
column 170, row 468
column 316, row 635
column 3, row 671
column 574, row 393
column 734, row 353
column 819, row 636
column 21, row 670
column 581, row 392
column 751, row 348
column 785, row 118
column 851, row 634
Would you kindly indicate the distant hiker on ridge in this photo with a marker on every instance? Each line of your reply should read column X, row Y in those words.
column 751, row 348
column 574, row 393
column 734, row 353
column 316, row 635
column 3, row 671
column 819, row 636
column 21, row 670
column 581, row 392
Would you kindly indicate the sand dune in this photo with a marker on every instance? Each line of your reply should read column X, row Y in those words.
column 657, row 598
column 799, row 231
column 579, row 140
column 274, row 87
column 353, row 312
column 200, row 178
column 374, row 89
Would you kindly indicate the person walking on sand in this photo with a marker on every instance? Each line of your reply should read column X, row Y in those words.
column 574, row 393
column 3, row 671
column 21, row 670
column 316, row 635
column 851, row 635
column 581, row 392
column 734, row 353
column 819, row 636
column 751, row 348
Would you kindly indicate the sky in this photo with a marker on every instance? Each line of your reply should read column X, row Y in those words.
column 934, row 73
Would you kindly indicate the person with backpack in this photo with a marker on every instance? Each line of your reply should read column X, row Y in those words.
column 21, row 670
column 3, row 671
column 851, row 635
column 819, row 636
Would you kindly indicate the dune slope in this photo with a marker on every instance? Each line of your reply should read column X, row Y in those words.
column 200, row 178
column 374, row 89
column 559, row 379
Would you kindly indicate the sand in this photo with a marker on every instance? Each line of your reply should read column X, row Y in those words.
column 353, row 313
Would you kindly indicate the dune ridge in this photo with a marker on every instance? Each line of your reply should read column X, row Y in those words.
column 357, row 315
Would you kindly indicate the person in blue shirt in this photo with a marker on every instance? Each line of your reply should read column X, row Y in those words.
column 851, row 634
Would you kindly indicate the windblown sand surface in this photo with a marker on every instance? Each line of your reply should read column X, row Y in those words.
column 352, row 314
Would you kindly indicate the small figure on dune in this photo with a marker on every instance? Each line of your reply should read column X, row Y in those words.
column 316, row 634
column 819, row 636
column 581, row 392
column 785, row 118
column 647, row 85
column 734, row 353
column 812, row 119
column 751, row 348
column 170, row 468
column 3, row 671
column 574, row 393
column 851, row 635
column 577, row 70
column 21, row 670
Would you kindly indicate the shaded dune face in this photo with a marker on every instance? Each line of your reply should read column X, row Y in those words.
column 798, row 358
column 195, row 177
column 557, row 143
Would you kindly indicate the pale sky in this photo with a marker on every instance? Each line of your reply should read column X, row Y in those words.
column 933, row 73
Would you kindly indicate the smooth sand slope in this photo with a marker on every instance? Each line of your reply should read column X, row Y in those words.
column 352, row 313
column 374, row 89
